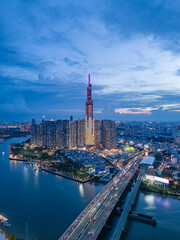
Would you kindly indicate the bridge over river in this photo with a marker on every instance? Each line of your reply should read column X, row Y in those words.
column 90, row 222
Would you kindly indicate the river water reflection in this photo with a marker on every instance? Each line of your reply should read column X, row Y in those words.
column 48, row 203
column 167, row 212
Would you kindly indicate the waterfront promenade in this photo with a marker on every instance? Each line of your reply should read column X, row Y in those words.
column 65, row 176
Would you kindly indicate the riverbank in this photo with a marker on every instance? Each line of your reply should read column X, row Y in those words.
column 52, row 160
column 11, row 236
column 19, row 159
column 65, row 176
column 41, row 194
column 149, row 187
column 25, row 160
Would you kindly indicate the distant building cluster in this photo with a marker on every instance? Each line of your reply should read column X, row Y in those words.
column 153, row 131
column 14, row 131
column 72, row 134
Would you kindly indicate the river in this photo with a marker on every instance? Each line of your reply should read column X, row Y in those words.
column 167, row 212
column 39, row 203
column 44, row 205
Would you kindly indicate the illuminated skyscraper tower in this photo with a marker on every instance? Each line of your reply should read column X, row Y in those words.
column 89, row 135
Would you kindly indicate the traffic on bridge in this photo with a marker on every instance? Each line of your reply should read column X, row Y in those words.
column 90, row 222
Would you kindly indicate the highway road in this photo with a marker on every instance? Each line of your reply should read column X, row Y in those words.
column 94, row 227
column 122, row 220
column 90, row 222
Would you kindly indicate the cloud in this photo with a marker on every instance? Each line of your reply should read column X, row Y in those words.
column 135, row 110
column 16, row 105
column 71, row 62
column 98, row 111
column 130, row 48
column 178, row 72
column 170, row 106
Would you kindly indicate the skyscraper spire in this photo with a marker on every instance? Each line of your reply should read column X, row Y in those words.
column 89, row 81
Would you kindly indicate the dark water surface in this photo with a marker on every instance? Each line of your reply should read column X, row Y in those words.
column 167, row 212
column 48, row 203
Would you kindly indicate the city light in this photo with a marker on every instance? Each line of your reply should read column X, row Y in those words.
column 158, row 179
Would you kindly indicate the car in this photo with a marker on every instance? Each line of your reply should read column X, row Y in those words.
column 91, row 234
column 94, row 218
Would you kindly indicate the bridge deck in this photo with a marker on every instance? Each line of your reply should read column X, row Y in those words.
column 91, row 221
column 122, row 220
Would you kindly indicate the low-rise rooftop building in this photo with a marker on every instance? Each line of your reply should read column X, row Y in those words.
column 147, row 161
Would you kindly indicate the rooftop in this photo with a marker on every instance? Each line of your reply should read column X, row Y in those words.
column 148, row 161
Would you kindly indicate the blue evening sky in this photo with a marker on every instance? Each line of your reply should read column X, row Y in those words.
column 131, row 48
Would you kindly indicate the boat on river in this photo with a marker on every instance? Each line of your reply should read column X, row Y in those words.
column 4, row 221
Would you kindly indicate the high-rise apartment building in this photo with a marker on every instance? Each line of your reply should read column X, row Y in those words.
column 44, row 133
column 72, row 134
column 51, row 133
column 89, row 121
column 108, row 134
column 38, row 135
column 62, row 133
column 80, row 133
column 97, row 133
column 35, row 134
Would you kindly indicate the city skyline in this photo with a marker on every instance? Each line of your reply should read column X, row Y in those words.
column 73, row 134
column 89, row 119
column 130, row 48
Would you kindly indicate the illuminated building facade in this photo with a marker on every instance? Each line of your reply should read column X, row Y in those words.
column 44, row 133
column 108, row 134
column 51, row 133
column 72, row 134
column 89, row 121
column 75, row 134
column 62, row 133
column 80, row 133
column 35, row 134
column 97, row 133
